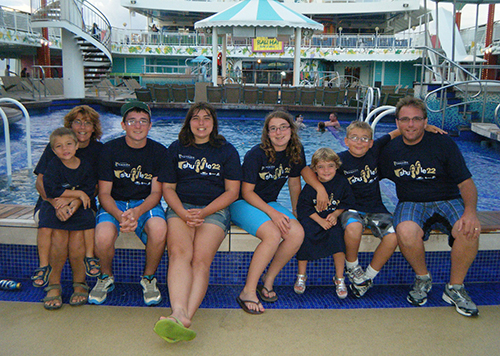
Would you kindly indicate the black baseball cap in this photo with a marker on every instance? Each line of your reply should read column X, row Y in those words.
column 135, row 105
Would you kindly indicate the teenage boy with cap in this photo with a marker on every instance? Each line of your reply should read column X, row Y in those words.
column 129, row 198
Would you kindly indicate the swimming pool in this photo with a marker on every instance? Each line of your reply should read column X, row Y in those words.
column 483, row 162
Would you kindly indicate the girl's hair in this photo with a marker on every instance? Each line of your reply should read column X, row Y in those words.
column 186, row 136
column 327, row 155
column 60, row 132
column 294, row 147
column 363, row 125
column 87, row 113
column 411, row 101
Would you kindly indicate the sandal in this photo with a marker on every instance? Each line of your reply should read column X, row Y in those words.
column 79, row 294
column 340, row 287
column 43, row 276
column 268, row 299
column 300, row 284
column 55, row 297
column 90, row 264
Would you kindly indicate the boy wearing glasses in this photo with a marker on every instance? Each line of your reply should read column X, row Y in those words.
column 360, row 167
column 129, row 197
column 434, row 188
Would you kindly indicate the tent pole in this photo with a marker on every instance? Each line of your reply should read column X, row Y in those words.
column 296, row 58
column 214, row 56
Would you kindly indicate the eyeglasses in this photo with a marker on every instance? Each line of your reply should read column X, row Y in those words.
column 281, row 128
column 82, row 123
column 414, row 119
column 364, row 139
column 142, row 122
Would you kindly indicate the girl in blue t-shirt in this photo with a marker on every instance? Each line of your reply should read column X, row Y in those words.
column 267, row 167
column 201, row 178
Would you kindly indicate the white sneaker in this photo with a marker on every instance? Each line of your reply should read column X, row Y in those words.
column 99, row 293
column 152, row 295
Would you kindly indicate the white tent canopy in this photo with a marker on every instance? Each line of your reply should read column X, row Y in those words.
column 255, row 18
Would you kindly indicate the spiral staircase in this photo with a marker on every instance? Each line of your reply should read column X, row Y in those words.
column 91, row 32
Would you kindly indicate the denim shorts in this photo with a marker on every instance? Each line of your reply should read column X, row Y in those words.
column 249, row 218
column 440, row 215
column 379, row 223
column 221, row 218
column 157, row 211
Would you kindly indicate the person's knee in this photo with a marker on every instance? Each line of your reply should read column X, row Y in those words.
column 390, row 240
column 156, row 231
column 353, row 232
column 408, row 234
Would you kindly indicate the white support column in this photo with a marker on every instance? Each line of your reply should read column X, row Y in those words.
column 73, row 78
column 214, row 56
column 296, row 57
column 223, row 61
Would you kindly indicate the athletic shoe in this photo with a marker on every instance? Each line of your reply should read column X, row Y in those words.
column 418, row 294
column 456, row 295
column 357, row 275
column 360, row 291
column 152, row 295
column 340, row 287
column 99, row 293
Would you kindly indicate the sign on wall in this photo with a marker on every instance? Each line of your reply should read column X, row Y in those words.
column 266, row 44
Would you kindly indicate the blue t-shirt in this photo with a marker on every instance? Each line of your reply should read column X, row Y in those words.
column 269, row 177
column 91, row 154
column 363, row 176
column 428, row 171
column 131, row 169
column 199, row 172
column 58, row 178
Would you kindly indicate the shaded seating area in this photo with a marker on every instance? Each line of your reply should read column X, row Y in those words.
column 166, row 93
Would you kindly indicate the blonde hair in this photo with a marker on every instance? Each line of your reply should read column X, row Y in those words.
column 362, row 125
column 327, row 155
column 87, row 113
column 60, row 132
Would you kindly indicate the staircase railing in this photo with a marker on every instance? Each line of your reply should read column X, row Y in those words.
column 87, row 17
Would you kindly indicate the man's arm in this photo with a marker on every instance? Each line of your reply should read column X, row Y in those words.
column 469, row 223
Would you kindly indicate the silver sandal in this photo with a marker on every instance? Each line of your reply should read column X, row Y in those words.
column 300, row 284
column 340, row 287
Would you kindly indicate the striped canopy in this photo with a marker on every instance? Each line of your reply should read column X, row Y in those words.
column 259, row 13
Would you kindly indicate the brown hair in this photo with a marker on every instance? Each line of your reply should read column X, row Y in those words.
column 60, row 132
column 87, row 113
column 186, row 136
column 294, row 147
column 363, row 125
column 325, row 154
column 411, row 101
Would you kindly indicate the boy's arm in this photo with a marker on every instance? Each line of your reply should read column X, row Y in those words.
column 311, row 179
column 333, row 217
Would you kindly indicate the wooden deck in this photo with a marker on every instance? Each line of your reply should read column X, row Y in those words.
column 13, row 211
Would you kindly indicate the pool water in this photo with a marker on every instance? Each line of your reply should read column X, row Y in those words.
column 483, row 162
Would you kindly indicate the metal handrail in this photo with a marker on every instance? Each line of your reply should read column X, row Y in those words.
column 7, row 135
column 497, row 121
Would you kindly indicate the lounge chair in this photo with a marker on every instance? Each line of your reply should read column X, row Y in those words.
column 131, row 84
column 144, row 95
column 162, row 94
column 179, row 93
column 232, row 93
column 318, row 96
column 215, row 94
column 270, row 95
column 331, row 97
column 250, row 94
column 151, row 87
column 307, row 96
column 288, row 96
column 352, row 97
column 190, row 88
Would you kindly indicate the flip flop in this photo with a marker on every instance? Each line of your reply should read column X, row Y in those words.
column 243, row 306
column 173, row 330
column 261, row 288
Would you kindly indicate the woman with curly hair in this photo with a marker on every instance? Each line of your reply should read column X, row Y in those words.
column 85, row 123
column 266, row 168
